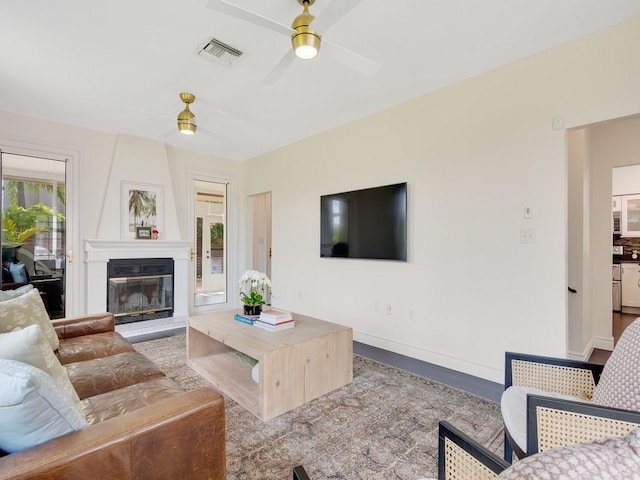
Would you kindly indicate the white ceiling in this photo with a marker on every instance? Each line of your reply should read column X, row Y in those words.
column 119, row 65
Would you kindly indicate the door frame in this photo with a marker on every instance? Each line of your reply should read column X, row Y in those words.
column 72, row 272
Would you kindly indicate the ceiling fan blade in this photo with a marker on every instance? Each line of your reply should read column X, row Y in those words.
column 332, row 13
column 277, row 71
column 362, row 65
column 247, row 15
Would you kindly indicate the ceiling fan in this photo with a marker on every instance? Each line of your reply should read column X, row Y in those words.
column 185, row 121
column 331, row 14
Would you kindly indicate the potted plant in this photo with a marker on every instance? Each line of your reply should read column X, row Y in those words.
column 254, row 287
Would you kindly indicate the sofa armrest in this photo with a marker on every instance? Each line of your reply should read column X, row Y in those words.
column 460, row 457
column 84, row 325
column 569, row 377
column 181, row 437
column 553, row 422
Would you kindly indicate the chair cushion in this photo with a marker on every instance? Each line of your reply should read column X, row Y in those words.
column 33, row 408
column 25, row 310
column 619, row 385
column 513, row 405
column 28, row 345
column 607, row 458
column 9, row 294
column 18, row 272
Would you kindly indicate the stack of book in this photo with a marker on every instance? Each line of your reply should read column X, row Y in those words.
column 249, row 319
column 274, row 320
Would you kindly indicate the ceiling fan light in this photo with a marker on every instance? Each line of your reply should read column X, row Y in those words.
column 187, row 128
column 306, row 43
column 186, row 118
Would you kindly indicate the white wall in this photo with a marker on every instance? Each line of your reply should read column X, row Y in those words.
column 101, row 161
column 474, row 155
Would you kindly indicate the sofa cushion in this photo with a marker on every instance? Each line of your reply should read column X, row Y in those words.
column 619, row 385
column 608, row 458
column 28, row 345
column 87, row 347
column 33, row 407
column 513, row 406
column 25, row 310
column 101, row 375
column 107, row 405
column 9, row 294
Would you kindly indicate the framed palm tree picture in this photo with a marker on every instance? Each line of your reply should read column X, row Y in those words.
column 141, row 207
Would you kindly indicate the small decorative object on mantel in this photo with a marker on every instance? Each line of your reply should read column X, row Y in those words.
column 143, row 233
column 155, row 233
column 258, row 285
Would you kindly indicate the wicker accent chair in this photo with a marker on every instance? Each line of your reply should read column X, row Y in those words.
column 462, row 458
column 550, row 402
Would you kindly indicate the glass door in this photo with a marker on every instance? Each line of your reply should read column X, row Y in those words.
column 210, row 242
column 34, row 227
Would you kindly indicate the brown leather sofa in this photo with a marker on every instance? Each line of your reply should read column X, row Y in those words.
column 142, row 424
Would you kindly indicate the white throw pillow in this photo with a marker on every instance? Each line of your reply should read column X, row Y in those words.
column 25, row 310
column 28, row 345
column 33, row 408
column 9, row 294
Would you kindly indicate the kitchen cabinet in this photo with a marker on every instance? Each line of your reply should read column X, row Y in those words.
column 616, row 203
column 630, row 285
column 630, row 220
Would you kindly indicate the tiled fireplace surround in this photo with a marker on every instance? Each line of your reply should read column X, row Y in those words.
column 99, row 252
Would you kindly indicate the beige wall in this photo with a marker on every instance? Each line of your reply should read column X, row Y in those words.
column 474, row 155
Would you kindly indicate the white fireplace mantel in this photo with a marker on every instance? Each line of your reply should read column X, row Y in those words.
column 98, row 252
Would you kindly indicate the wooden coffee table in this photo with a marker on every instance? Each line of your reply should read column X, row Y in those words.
column 296, row 365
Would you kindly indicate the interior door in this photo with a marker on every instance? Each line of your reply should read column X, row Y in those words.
column 34, row 220
column 210, row 209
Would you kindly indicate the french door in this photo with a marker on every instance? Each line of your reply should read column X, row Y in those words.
column 34, row 226
column 210, row 243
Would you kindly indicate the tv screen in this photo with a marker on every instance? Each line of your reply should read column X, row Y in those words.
column 368, row 223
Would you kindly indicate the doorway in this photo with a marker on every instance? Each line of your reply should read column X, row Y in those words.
column 34, row 227
column 594, row 151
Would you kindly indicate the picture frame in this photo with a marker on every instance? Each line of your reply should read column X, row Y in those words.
column 143, row 233
column 141, row 205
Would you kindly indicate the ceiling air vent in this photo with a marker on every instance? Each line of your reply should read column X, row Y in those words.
column 220, row 52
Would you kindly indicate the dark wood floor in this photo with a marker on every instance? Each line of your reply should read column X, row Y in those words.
column 620, row 322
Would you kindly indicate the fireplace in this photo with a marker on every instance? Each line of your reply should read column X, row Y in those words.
column 140, row 289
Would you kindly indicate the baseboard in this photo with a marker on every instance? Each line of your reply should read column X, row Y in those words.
column 463, row 381
column 600, row 343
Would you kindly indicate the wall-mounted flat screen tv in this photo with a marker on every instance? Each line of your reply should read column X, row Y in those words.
column 368, row 223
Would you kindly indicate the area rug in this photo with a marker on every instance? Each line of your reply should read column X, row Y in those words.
column 382, row 426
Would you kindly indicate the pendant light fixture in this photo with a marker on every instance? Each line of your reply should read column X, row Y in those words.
column 186, row 119
column 305, row 41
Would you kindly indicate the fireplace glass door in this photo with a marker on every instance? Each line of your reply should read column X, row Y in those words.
column 210, row 242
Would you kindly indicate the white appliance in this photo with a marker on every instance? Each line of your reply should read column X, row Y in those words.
column 630, row 285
